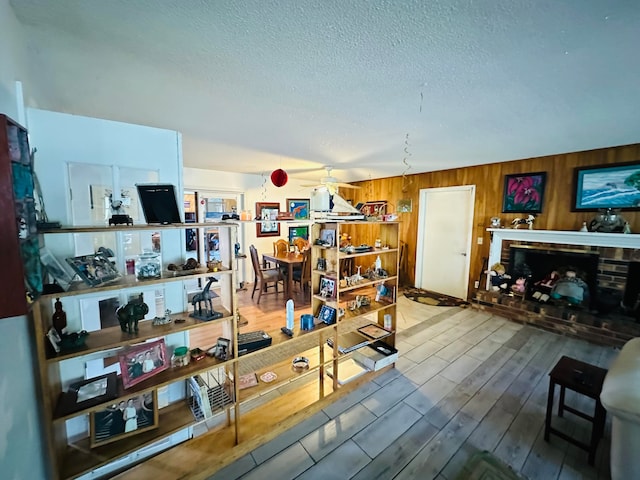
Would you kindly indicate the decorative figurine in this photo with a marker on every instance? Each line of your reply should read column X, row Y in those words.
column 163, row 320
column 524, row 221
column 570, row 287
column 130, row 314
column 59, row 318
column 607, row 221
column 118, row 217
column 202, row 304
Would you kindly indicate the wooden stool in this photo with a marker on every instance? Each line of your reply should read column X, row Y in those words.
column 587, row 380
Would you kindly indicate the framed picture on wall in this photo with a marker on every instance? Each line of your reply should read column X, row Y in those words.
column 523, row 192
column 607, row 186
column 299, row 207
column 267, row 213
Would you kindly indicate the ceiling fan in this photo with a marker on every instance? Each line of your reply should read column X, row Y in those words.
column 330, row 182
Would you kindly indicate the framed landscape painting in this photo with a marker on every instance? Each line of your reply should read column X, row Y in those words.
column 607, row 186
column 523, row 192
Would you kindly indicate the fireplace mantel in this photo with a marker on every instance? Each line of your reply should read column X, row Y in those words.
column 619, row 240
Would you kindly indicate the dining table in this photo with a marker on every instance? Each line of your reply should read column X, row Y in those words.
column 288, row 259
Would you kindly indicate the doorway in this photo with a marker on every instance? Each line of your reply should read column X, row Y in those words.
column 443, row 252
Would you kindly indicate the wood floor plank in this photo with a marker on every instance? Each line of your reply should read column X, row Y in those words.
column 394, row 458
column 343, row 462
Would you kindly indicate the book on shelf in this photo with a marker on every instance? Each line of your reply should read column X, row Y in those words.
column 348, row 342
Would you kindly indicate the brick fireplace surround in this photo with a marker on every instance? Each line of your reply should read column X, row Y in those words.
column 616, row 252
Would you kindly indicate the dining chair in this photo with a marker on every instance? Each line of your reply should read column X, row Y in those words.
column 264, row 277
column 301, row 243
column 303, row 275
column 280, row 246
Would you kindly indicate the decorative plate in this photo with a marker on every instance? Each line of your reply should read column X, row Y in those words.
column 268, row 377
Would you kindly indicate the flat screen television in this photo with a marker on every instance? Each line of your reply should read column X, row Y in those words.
column 159, row 203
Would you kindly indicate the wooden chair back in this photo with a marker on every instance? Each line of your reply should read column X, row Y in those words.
column 280, row 246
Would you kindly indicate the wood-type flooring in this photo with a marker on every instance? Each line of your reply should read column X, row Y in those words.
column 465, row 381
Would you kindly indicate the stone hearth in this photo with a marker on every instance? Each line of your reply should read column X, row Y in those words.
column 616, row 254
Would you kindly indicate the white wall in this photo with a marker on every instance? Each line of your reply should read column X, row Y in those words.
column 21, row 450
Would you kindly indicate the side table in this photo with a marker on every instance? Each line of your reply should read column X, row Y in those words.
column 584, row 379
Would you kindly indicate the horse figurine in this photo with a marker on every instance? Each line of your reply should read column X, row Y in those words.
column 524, row 221
column 202, row 304
column 129, row 314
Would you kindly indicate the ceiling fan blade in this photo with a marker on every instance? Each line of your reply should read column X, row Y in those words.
column 347, row 185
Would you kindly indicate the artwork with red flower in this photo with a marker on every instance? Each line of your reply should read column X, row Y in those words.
column 524, row 193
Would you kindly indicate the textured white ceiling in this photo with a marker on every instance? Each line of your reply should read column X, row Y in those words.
column 260, row 84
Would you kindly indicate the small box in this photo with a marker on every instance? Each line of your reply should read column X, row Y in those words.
column 376, row 356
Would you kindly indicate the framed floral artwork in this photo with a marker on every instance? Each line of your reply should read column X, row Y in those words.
column 524, row 192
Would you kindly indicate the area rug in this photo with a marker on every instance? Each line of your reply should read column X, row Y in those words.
column 484, row 466
column 428, row 297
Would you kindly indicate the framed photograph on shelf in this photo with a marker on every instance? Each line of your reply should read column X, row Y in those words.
column 374, row 209
column 128, row 417
column 266, row 214
column 607, row 186
column 139, row 362
column 374, row 331
column 299, row 207
column 328, row 237
column 327, row 314
column 88, row 393
column 523, row 192
column 327, row 287
column 57, row 273
column 93, row 269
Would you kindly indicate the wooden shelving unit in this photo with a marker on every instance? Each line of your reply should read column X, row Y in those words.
column 71, row 453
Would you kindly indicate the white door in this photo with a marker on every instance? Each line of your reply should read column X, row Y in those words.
column 444, row 239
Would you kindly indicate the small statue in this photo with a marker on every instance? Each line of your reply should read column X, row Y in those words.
column 59, row 318
column 524, row 221
column 163, row 320
column 202, row 304
column 130, row 314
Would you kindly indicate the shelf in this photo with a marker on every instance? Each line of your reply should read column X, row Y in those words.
column 285, row 374
column 159, row 380
column 79, row 457
column 131, row 281
column 368, row 283
column 132, row 228
column 375, row 251
column 114, row 337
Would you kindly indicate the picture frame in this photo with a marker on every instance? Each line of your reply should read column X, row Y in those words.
column 327, row 287
column 93, row 269
column 267, row 213
column 327, row 314
column 524, row 192
column 299, row 207
column 615, row 186
column 298, row 232
column 55, row 269
column 88, row 393
column 328, row 237
column 128, row 417
column 142, row 361
column 374, row 209
column 405, row 205
column 373, row 331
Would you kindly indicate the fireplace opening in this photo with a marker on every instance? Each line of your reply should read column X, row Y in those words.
column 537, row 264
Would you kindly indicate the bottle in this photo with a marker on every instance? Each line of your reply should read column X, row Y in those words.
column 378, row 264
column 387, row 321
column 59, row 318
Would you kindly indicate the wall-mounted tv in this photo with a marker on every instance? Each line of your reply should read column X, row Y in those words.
column 159, row 203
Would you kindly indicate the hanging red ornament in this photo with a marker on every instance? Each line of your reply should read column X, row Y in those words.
column 279, row 177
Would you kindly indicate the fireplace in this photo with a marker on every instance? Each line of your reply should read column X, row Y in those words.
column 535, row 263
column 610, row 262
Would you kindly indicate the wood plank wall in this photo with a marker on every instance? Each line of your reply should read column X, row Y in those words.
column 489, row 179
